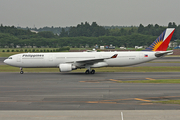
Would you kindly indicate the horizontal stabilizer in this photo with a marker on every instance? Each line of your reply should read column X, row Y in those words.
column 162, row 53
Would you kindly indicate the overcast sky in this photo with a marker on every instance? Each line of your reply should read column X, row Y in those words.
column 64, row 13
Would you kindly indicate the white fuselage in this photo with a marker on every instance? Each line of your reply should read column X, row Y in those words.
column 37, row 60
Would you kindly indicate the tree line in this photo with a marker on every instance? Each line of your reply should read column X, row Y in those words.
column 84, row 34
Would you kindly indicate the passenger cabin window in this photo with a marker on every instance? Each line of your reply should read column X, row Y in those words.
column 10, row 58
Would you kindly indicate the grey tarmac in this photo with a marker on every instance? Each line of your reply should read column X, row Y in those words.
column 91, row 115
column 76, row 96
column 78, row 91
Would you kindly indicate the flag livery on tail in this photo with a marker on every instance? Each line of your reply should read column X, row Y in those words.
column 162, row 42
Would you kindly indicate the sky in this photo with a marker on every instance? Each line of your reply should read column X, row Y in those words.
column 62, row 13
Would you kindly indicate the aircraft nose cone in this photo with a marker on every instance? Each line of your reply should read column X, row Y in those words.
column 5, row 61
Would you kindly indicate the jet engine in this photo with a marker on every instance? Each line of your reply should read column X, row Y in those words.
column 66, row 67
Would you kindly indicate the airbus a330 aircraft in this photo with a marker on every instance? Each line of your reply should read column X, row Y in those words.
column 68, row 61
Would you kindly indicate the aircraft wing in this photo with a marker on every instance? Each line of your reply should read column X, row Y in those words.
column 161, row 53
column 93, row 61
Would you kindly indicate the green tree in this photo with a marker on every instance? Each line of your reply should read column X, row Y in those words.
column 64, row 33
column 173, row 25
column 140, row 28
column 178, row 32
column 46, row 34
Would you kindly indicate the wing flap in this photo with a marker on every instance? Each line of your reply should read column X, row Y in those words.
column 93, row 61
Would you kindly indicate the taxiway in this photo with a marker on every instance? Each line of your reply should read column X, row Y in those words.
column 78, row 91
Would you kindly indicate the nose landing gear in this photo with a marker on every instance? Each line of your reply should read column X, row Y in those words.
column 21, row 72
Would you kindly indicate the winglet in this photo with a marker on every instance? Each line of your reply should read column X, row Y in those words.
column 114, row 56
column 161, row 43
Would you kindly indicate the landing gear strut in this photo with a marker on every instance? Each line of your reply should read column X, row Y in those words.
column 21, row 72
column 88, row 71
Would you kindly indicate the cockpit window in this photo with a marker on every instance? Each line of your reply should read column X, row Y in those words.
column 10, row 58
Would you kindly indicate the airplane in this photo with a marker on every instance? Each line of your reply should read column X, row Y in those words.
column 68, row 61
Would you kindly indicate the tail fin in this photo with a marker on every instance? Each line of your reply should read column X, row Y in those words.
column 161, row 43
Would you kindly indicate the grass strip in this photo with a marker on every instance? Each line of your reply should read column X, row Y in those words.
column 7, row 54
column 7, row 68
column 168, row 81
column 164, row 62
column 168, row 102
column 140, row 69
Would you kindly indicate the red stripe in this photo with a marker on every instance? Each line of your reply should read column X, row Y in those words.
column 164, row 45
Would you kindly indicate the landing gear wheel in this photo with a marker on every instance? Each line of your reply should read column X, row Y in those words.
column 93, row 71
column 87, row 72
column 21, row 72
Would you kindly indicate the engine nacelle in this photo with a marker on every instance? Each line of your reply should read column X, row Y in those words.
column 66, row 67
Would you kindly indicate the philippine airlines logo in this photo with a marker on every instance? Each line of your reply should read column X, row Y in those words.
column 155, row 45
column 33, row 55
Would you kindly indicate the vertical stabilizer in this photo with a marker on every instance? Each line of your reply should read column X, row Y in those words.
column 162, row 42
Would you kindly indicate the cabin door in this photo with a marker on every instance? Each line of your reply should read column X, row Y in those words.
column 19, row 58
column 141, row 56
column 50, row 57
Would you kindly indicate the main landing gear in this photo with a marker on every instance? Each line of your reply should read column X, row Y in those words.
column 21, row 72
column 90, row 71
